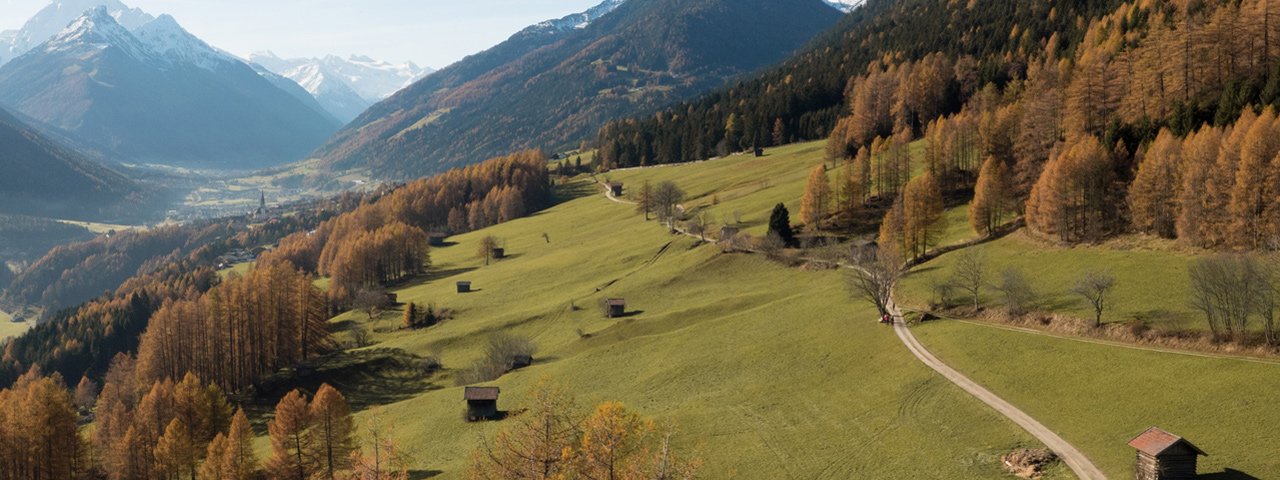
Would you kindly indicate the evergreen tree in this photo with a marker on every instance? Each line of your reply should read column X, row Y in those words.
column 780, row 225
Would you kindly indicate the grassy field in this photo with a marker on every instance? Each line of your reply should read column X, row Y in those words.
column 1151, row 278
column 769, row 372
column 1098, row 397
column 10, row 329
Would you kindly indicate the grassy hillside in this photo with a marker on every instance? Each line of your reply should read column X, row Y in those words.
column 1098, row 396
column 769, row 372
column 10, row 329
column 1152, row 283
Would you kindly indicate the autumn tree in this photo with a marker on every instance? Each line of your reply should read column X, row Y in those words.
column 292, row 446
column 333, row 432
column 666, row 200
column 922, row 208
column 1153, row 202
column 240, row 460
column 175, row 451
column 532, row 448
column 817, row 198
column 1073, row 198
column 991, row 202
column 1201, row 188
column 1253, row 198
column 612, row 441
column 644, row 202
column 380, row 457
column 485, row 248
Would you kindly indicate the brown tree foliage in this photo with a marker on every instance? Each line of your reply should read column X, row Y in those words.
column 292, row 447
column 991, row 202
column 922, row 221
column 333, row 432
column 39, row 438
column 1153, row 202
column 1072, row 201
column 817, row 200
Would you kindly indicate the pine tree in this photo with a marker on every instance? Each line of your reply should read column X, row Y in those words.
column 333, row 433
column 1199, row 182
column 990, row 197
column 291, row 446
column 817, row 199
column 780, row 224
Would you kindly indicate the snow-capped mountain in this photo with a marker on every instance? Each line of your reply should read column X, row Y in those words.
column 576, row 21
column 345, row 87
column 159, row 94
column 845, row 5
column 53, row 18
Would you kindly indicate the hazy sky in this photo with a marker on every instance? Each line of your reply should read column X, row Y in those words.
column 431, row 33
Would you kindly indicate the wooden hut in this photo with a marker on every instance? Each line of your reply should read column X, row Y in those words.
column 759, row 151
column 482, row 403
column 499, row 252
column 864, row 249
column 615, row 188
column 436, row 239
column 1164, row 456
column 393, row 298
column 464, row 286
column 615, row 307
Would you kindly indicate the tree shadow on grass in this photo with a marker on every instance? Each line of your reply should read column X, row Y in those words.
column 573, row 191
column 421, row 474
column 368, row 378
column 1227, row 474
column 433, row 275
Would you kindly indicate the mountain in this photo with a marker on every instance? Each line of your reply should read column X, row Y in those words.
column 345, row 87
column 845, row 5
column 553, row 84
column 44, row 178
column 158, row 94
column 53, row 18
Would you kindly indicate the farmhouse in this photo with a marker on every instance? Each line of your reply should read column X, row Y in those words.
column 482, row 403
column 464, row 286
column 615, row 307
column 1164, row 456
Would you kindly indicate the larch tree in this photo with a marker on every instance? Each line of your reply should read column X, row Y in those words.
column 1196, row 205
column 817, row 198
column 240, row 460
column 534, row 446
column 1153, row 196
column 644, row 202
column 922, row 220
column 1252, row 194
column 333, row 432
column 1072, row 199
column 892, row 228
column 213, row 467
column 175, row 452
column 291, row 446
column 485, row 248
column 612, row 439
column 991, row 202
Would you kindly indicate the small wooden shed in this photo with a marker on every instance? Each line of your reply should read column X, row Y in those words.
column 436, row 239
column 864, row 249
column 482, row 403
column 759, row 151
column 464, row 286
column 1164, row 456
column 393, row 299
column 615, row 188
column 499, row 252
column 615, row 307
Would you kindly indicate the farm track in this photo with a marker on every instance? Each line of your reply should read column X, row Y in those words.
column 1070, row 455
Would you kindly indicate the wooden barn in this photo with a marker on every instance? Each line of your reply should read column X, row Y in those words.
column 1164, row 456
column 615, row 188
column 482, row 403
column 728, row 232
column 615, row 307
column 464, row 286
column 499, row 252
column 521, row 361
column 759, row 151
column 436, row 239
column 393, row 299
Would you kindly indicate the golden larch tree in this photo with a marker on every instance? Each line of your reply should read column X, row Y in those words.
column 1153, row 196
column 816, row 203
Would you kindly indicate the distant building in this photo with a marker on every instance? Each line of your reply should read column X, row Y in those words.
column 436, row 239
column 499, row 252
column 615, row 307
column 615, row 188
column 482, row 403
column 728, row 232
column 521, row 361
column 464, row 286
column 393, row 299
column 759, row 151
column 864, row 249
column 1164, row 456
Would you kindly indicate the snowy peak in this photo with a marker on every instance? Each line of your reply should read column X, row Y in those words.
column 54, row 18
column 371, row 79
column 168, row 40
column 576, row 21
column 97, row 29
column 845, row 5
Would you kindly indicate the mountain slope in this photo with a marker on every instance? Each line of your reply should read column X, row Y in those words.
column 550, row 87
column 345, row 87
column 44, row 178
column 53, row 18
column 160, row 95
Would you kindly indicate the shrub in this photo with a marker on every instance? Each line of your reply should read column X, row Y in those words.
column 497, row 360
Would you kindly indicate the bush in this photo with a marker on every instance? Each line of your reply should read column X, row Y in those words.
column 497, row 360
column 1017, row 291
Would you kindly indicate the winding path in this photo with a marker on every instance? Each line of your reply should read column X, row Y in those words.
column 1074, row 458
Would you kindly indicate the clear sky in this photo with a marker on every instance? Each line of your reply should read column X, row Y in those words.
column 430, row 33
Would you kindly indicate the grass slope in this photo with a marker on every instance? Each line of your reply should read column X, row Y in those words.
column 769, row 372
column 1098, row 396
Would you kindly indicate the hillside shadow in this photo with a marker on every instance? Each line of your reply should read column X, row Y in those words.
column 421, row 474
column 433, row 275
column 572, row 191
column 1227, row 474
column 509, row 256
column 368, row 378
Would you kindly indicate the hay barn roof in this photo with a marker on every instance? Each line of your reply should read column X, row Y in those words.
column 616, row 301
column 481, row 393
column 1155, row 441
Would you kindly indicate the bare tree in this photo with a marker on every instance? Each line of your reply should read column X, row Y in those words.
column 971, row 273
column 1229, row 289
column 486, row 247
column 874, row 278
column 666, row 197
column 371, row 301
column 1017, row 291
column 1095, row 286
